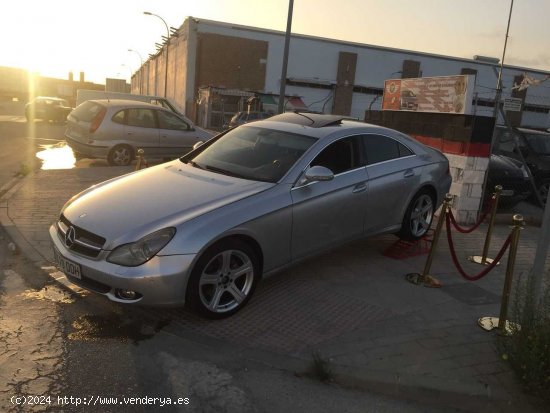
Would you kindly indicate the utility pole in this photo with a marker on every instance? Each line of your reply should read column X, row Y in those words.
column 281, row 107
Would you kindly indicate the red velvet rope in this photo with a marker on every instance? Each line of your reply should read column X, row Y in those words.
column 476, row 225
column 457, row 264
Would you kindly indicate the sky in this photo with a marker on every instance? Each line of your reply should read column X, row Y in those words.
column 55, row 37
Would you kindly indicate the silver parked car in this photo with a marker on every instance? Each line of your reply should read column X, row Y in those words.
column 114, row 129
column 203, row 229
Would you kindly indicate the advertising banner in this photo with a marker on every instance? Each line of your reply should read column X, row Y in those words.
column 444, row 94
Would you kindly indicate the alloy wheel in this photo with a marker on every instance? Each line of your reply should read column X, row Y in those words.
column 226, row 281
column 421, row 215
column 121, row 156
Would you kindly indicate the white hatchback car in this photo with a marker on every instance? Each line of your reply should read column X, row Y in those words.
column 115, row 129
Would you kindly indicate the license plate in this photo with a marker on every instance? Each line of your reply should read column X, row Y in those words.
column 65, row 265
column 507, row 192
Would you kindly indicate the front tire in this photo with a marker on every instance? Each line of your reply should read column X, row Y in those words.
column 223, row 280
column 120, row 155
column 418, row 217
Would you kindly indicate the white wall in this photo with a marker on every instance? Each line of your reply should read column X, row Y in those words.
column 317, row 58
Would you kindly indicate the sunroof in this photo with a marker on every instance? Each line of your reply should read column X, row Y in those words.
column 313, row 120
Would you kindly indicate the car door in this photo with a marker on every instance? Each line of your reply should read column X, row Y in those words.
column 331, row 212
column 176, row 136
column 140, row 130
column 393, row 177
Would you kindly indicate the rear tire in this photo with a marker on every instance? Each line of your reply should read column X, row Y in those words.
column 418, row 216
column 120, row 155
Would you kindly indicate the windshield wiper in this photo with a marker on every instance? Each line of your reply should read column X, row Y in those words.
column 224, row 172
column 194, row 164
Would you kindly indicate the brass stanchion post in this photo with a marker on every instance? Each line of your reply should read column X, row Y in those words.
column 425, row 278
column 504, row 326
column 483, row 260
column 140, row 153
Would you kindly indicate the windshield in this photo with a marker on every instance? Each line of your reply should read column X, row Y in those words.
column 253, row 153
column 539, row 143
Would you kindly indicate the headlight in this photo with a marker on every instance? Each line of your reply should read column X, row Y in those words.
column 139, row 252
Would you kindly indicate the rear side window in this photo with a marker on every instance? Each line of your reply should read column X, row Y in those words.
column 380, row 148
column 143, row 118
column 120, row 117
column 86, row 111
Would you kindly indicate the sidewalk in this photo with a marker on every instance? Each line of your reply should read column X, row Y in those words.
column 352, row 306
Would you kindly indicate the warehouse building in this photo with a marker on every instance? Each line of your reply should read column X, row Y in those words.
column 214, row 69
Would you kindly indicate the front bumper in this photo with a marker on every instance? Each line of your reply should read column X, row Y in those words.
column 161, row 281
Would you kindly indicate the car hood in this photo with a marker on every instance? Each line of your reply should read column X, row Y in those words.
column 125, row 209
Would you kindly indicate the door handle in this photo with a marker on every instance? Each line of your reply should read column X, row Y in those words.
column 359, row 188
column 408, row 173
column 129, row 133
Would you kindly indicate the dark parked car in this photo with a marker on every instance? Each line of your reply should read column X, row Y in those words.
column 47, row 108
column 512, row 176
column 534, row 147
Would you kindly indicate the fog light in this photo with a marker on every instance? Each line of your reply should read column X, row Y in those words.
column 127, row 294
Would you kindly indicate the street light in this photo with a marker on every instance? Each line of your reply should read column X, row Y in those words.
column 281, row 107
column 167, row 45
column 140, row 69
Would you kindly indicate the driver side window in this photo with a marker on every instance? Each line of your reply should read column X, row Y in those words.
column 339, row 156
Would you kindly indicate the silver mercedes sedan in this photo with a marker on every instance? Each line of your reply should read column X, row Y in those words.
column 203, row 229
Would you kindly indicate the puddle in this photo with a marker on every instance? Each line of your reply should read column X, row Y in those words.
column 49, row 293
column 58, row 156
column 95, row 327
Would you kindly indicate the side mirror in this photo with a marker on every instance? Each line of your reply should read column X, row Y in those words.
column 197, row 145
column 318, row 173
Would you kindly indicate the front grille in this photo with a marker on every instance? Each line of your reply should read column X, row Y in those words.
column 85, row 242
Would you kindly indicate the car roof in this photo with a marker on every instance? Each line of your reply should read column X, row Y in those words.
column 49, row 98
column 526, row 130
column 316, row 125
column 125, row 103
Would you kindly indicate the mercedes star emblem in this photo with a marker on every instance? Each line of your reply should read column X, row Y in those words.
column 70, row 237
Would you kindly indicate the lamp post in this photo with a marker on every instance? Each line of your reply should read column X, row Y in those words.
column 140, row 69
column 281, row 107
column 167, row 45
